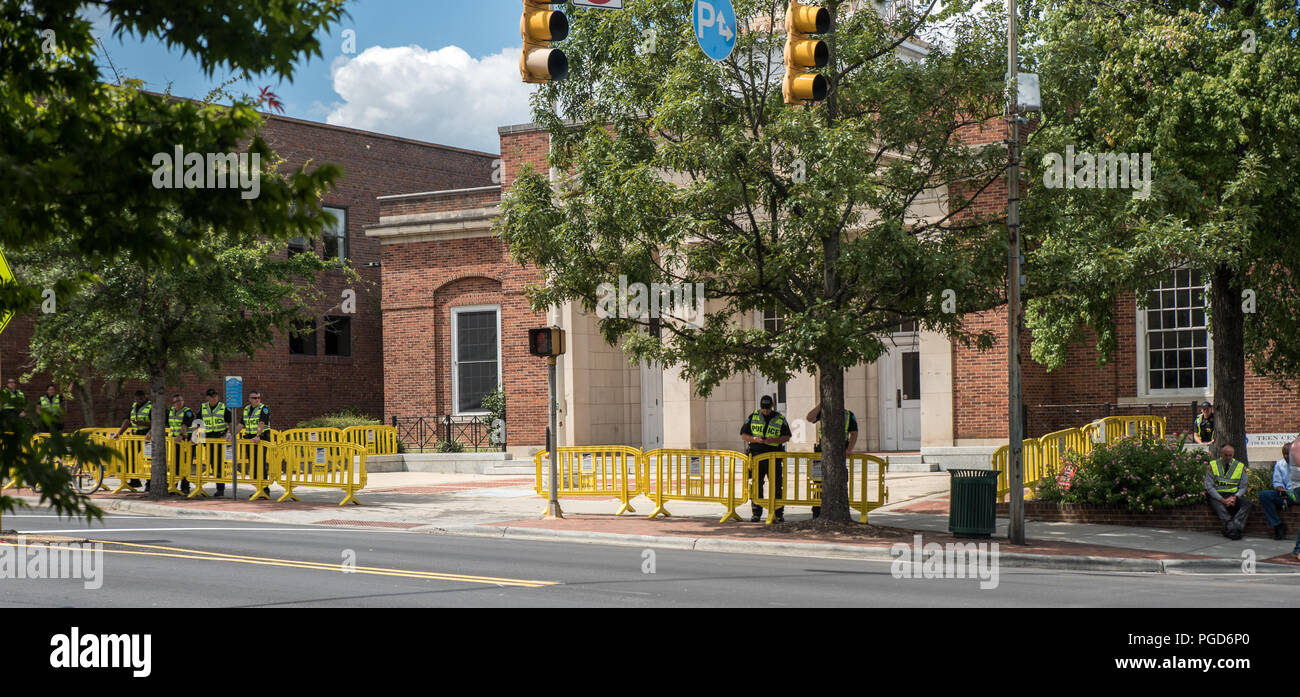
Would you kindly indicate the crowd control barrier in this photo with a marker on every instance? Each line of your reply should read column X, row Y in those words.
column 600, row 471
column 376, row 439
column 802, row 484
column 312, row 435
column 322, row 464
column 1043, row 456
column 1117, row 427
column 711, row 476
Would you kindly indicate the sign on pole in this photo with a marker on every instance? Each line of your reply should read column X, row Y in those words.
column 600, row 4
column 715, row 27
column 234, row 391
column 234, row 400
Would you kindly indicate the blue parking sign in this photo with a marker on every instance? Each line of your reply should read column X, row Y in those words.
column 715, row 27
column 234, row 391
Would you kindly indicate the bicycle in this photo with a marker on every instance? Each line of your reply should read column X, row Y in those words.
column 86, row 479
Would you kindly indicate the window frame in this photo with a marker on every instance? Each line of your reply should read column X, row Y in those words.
column 455, row 357
column 329, row 321
column 315, row 329
column 1142, row 361
column 342, row 212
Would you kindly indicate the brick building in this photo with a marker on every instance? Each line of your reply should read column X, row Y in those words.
column 341, row 364
column 455, row 315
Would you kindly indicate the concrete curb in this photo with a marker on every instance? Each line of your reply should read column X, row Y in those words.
column 732, row 546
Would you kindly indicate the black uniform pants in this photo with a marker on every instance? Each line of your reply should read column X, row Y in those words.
column 1233, row 517
column 216, row 446
column 780, row 485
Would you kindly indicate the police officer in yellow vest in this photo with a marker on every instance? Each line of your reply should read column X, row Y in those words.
column 140, row 421
column 1204, row 424
column 50, row 407
column 179, row 420
column 257, row 420
column 766, row 431
column 216, row 425
column 1225, row 488
column 850, row 437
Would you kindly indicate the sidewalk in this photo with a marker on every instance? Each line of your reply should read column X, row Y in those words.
column 507, row 507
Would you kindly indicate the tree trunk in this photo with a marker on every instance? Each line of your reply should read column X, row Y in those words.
column 1227, row 319
column 112, row 392
column 86, row 397
column 835, row 475
column 158, row 435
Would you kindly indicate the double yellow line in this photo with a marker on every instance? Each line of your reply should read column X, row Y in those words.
column 182, row 553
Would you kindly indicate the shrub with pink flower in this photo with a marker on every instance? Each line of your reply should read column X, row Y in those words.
column 1139, row 473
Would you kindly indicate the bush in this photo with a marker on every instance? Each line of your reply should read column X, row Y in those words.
column 448, row 446
column 1141, row 474
column 341, row 419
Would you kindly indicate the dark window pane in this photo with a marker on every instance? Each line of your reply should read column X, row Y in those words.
column 780, row 393
column 1198, row 297
column 298, row 245
column 911, row 375
column 1153, row 319
column 1184, row 359
column 1156, row 339
column 1199, row 357
column 1198, row 318
column 1184, row 378
column 1157, row 380
column 1199, row 337
column 1157, row 360
column 1200, row 379
column 1184, row 297
column 1184, row 318
column 338, row 336
column 476, row 355
column 303, row 343
column 335, row 238
column 1167, row 300
column 1170, row 319
column 1194, row 278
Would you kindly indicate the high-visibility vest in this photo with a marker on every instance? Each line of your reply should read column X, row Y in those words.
column 176, row 420
column 1227, row 485
column 1202, row 423
column 214, row 418
column 141, row 416
column 52, row 405
column 848, row 416
column 773, row 429
column 251, row 415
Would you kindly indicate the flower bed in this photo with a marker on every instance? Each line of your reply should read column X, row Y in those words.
column 1136, row 474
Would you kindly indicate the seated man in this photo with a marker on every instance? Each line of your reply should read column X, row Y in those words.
column 1225, row 488
column 1281, row 493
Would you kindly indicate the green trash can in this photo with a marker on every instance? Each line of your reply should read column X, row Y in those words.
column 972, row 503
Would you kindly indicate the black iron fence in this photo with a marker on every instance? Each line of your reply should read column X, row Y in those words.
column 1041, row 419
column 472, row 433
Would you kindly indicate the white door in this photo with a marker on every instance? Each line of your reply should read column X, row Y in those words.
column 900, row 396
column 652, row 400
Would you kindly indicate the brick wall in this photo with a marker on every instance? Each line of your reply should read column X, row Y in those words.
column 1195, row 517
column 299, row 387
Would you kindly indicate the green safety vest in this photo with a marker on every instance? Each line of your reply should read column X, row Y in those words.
column 141, row 416
column 847, row 415
column 214, row 418
column 176, row 420
column 1204, row 424
column 13, row 393
column 1227, row 485
column 250, row 417
column 773, row 426
column 52, row 405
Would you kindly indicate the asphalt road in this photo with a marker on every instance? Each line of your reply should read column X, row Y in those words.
column 169, row 562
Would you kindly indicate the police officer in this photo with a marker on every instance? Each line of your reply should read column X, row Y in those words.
column 766, row 431
column 11, row 392
column 850, row 437
column 257, row 420
column 50, row 408
column 1225, row 489
column 179, row 420
column 140, row 421
column 216, row 424
column 1205, row 424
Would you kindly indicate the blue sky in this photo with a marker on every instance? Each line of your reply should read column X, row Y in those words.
column 437, row 70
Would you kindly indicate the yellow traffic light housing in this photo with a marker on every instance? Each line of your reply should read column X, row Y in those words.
column 538, row 27
column 803, row 52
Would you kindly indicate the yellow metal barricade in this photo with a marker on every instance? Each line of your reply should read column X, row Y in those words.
column 312, row 435
column 1117, row 427
column 329, row 465
column 1043, row 456
column 211, row 464
column 711, row 476
column 134, row 461
column 802, row 481
column 376, row 439
column 592, row 471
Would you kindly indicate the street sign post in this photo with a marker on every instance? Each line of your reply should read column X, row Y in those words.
column 235, row 402
column 715, row 27
column 600, row 4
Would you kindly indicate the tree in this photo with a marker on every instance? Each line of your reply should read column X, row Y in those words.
column 679, row 169
column 77, row 157
column 1207, row 91
column 160, row 324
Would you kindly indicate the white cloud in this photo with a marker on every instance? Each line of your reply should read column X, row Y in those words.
column 443, row 96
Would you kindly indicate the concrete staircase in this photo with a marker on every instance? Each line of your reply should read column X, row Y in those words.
column 908, row 462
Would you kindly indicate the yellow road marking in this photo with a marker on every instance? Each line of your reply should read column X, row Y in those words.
column 182, row 553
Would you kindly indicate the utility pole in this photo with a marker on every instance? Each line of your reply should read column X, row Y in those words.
column 553, row 505
column 1015, row 456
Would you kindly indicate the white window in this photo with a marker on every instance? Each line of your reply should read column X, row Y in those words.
column 475, row 356
column 1173, row 343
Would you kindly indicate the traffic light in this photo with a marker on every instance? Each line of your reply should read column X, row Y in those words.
column 539, row 26
column 546, row 342
column 802, row 52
